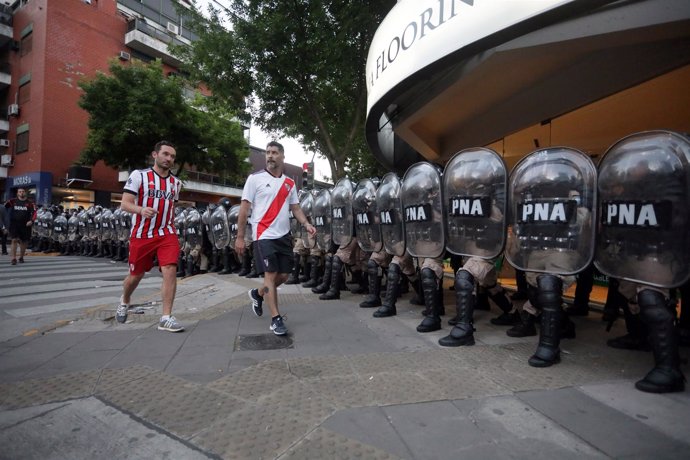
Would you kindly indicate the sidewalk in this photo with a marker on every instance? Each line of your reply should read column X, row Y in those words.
column 341, row 385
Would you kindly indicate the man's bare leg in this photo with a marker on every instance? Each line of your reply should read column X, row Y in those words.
column 270, row 290
column 168, row 288
column 129, row 285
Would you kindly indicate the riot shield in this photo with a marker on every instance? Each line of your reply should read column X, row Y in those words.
column 60, row 228
column 180, row 216
column 366, row 219
column 306, row 202
column 342, row 224
column 322, row 219
column 73, row 227
column 552, row 198
column 125, row 225
column 83, row 224
column 474, row 189
column 206, row 221
column 107, row 226
column 220, row 228
column 295, row 227
column 644, row 209
column 192, row 228
column 47, row 223
column 389, row 210
column 233, row 215
column 422, row 204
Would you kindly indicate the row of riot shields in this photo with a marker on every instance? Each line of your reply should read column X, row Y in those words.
column 96, row 231
column 555, row 212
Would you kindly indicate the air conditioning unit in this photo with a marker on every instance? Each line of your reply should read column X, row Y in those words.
column 4, row 142
column 13, row 110
column 6, row 160
column 124, row 56
column 172, row 28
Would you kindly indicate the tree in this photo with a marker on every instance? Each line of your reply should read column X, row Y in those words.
column 136, row 106
column 304, row 60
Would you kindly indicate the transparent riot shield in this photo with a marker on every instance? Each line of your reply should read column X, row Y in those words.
column 73, row 227
column 306, row 202
column 551, row 211
column 644, row 209
column 422, row 203
column 366, row 219
column 220, row 228
column 475, row 183
column 342, row 224
column 107, row 225
column 206, row 221
column 60, row 228
column 389, row 209
column 233, row 216
column 322, row 219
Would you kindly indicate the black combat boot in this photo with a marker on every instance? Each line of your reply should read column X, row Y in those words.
column 294, row 274
column 463, row 331
column 306, row 273
column 499, row 297
column 524, row 327
column 387, row 307
column 585, row 282
column 373, row 299
column 190, row 266
column 659, row 317
column 314, row 273
column 226, row 255
column 418, row 298
column 359, row 280
column 181, row 265
column 326, row 280
column 252, row 271
column 482, row 299
column 550, row 300
column 432, row 320
column 246, row 264
column 636, row 338
column 333, row 291
column 684, row 319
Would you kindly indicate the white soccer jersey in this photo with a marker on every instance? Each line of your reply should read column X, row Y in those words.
column 159, row 193
column 271, row 198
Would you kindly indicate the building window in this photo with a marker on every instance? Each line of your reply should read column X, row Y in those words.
column 23, row 142
column 26, row 45
column 24, row 93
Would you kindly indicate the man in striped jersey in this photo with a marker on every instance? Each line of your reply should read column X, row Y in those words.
column 270, row 195
column 150, row 195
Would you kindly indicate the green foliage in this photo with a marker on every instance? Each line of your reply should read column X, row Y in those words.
column 136, row 106
column 303, row 60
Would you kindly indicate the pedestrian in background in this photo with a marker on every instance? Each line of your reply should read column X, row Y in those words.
column 4, row 224
column 270, row 195
column 21, row 217
column 150, row 195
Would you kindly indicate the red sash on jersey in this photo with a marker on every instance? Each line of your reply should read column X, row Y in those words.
column 275, row 207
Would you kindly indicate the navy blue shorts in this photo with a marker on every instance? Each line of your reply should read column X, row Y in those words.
column 274, row 256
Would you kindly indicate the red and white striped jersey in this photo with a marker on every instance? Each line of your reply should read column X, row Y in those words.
column 271, row 198
column 159, row 193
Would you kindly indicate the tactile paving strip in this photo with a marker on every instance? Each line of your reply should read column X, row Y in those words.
column 253, row 382
column 60, row 388
column 343, row 391
column 461, row 383
column 188, row 411
column 254, row 432
column 118, row 378
column 139, row 395
column 401, row 388
column 312, row 406
column 320, row 366
column 322, row 444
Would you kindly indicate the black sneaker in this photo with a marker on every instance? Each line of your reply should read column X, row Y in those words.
column 257, row 302
column 278, row 326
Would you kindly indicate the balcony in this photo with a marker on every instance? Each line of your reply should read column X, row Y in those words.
column 210, row 183
column 5, row 75
column 143, row 37
column 6, row 16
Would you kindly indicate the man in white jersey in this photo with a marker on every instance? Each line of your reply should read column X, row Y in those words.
column 150, row 195
column 270, row 195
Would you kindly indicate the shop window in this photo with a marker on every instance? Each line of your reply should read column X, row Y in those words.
column 26, row 45
column 23, row 142
column 24, row 93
